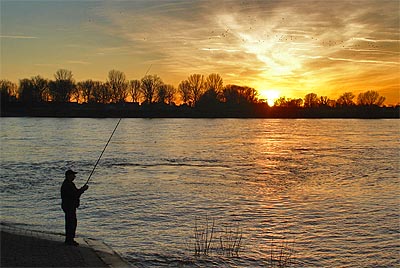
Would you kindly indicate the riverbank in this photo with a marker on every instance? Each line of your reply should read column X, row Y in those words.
column 159, row 110
column 28, row 248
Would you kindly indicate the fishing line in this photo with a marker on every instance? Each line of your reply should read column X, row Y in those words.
column 95, row 165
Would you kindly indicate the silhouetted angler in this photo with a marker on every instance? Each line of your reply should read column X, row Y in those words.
column 70, row 202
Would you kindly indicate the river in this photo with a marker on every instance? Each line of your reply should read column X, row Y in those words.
column 326, row 191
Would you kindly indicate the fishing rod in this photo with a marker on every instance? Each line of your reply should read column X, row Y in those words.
column 95, row 165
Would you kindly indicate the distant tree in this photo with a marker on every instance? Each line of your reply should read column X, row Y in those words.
column 323, row 101
column 213, row 90
column 28, row 92
column 288, row 103
column 76, row 94
column 134, row 90
column 185, row 92
column 281, row 102
column 209, row 99
column 101, row 92
column 63, row 87
column 149, row 87
column 161, row 94
column 35, row 89
column 86, row 89
column 346, row 99
column 197, row 87
column 166, row 94
column 295, row 103
column 250, row 94
column 42, row 87
column 215, row 83
column 331, row 103
column 311, row 100
column 234, row 94
column 8, row 91
column 117, row 85
column 370, row 98
column 63, row 74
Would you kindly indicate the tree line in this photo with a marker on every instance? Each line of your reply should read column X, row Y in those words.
column 205, row 93
column 118, row 89
column 151, row 89
column 347, row 99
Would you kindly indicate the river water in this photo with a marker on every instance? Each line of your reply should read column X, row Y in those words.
column 327, row 190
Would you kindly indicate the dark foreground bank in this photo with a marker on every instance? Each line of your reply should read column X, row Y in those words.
column 26, row 248
column 219, row 110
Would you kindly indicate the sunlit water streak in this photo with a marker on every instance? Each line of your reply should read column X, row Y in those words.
column 331, row 186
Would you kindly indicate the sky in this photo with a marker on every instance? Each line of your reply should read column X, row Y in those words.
column 285, row 48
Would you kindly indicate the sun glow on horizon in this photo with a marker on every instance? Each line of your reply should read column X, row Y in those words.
column 270, row 95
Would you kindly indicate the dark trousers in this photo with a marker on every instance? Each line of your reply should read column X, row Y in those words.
column 70, row 224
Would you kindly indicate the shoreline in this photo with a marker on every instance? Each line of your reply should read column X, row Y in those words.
column 132, row 110
column 30, row 248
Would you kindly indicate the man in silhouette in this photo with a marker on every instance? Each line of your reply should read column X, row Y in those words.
column 70, row 202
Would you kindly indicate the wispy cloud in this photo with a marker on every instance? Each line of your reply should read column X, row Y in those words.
column 277, row 39
column 79, row 62
column 18, row 37
column 45, row 64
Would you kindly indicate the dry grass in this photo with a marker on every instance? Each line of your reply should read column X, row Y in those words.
column 208, row 238
column 227, row 240
column 281, row 254
column 203, row 237
column 230, row 241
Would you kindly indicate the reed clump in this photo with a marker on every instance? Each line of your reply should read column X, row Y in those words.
column 230, row 241
column 203, row 237
column 281, row 254
column 226, row 240
column 210, row 239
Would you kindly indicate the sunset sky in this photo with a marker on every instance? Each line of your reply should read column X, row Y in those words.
column 289, row 48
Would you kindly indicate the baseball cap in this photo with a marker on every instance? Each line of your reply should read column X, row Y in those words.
column 70, row 172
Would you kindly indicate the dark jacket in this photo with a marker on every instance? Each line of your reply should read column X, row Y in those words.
column 70, row 195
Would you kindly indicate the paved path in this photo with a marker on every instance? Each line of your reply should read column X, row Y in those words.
column 27, row 248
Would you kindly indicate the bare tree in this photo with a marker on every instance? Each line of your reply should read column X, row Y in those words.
column 86, row 89
column 35, row 89
column 197, row 87
column 117, row 85
column 63, row 87
column 311, row 100
column 288, row 103
column 184, row 91
column 346, row 99
column 28, row 92
column 161, row 94
column 324, row 101
column 166, row 94
column 213, row 86
column 8, row 90
column 63, row 74
column 134, row 90
column 370, row 98
column 294, row 103
column 281, row 102
column 101, row 92
column 235, row 94
column 149, row 87
column 171, row 93
column 215, row 83
column 42, row 87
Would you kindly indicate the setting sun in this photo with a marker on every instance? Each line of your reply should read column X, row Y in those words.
column 270, row 95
